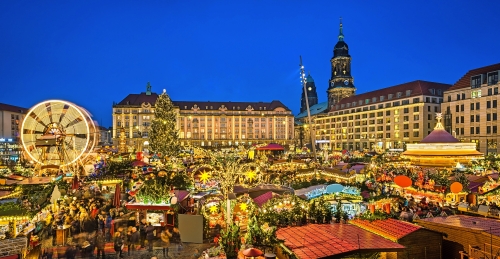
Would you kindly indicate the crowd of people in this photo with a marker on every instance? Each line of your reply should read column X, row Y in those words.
column 95, row 223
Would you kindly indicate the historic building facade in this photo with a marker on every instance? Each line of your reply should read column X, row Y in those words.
column 470, row 108
column 206, row 124
column 383, row 119
column 11, row 119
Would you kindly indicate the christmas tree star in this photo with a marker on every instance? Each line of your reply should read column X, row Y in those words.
column 213, row 209
column 251, row 175
column 243, row 206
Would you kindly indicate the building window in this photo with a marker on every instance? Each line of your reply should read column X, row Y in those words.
column 457, row 108
column 494, row 129
column 472, row 118
column 415, row 125
column 461, row 119
column 476, row 94
column 458, row 97
column 492, row 78
column 471, row 130
column 494, row 116
column 488, row 104
column 488, row 117
column 416, row 117
column 488, row 129
column 415, row 134
column 462, row 107
column 477, row 118
column 415, row 109
column 475, row 81
column 457, row 120
column 471, row 106
column 408, row 92
column 463, row 96
column 477, row 130
column 449, row 98
column 494, row 103
column 495, row 90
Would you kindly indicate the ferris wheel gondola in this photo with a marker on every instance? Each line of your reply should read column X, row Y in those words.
column 57, row 133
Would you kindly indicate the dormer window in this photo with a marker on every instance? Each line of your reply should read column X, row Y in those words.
column 439, row 92
column 433, row 92
column 353, row 104
column 408, row 92
column 381, row 98
column 374, row 99
column 389, row 97
column 360, row 102
column 399, row 94
column 493, row 78
column 475, row 81
column 367, row 101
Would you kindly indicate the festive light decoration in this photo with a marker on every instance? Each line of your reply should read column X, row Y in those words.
column 204, row 177
column 243, row 206
column 403, row 181
column 251, row 175
column 163, row 135
column 213, row 209
column 456, row 187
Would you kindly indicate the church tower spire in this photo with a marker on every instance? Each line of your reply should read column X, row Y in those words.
column 312, row 95
column 341, row 83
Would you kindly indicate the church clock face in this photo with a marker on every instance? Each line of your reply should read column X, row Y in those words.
column 332, row 83
column 310, row 88
column 346, row 82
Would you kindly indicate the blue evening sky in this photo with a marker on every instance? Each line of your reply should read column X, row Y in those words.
column 95, row 52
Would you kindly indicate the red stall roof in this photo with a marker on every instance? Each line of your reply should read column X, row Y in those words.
column 317, row 241
column 389, row 228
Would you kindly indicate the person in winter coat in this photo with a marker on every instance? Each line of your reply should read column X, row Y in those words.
column 150, row 236
column 100, row 243
column 176, row 239
column 142, row 231
column 165, row 241
column 118, row 244
column 134, row 239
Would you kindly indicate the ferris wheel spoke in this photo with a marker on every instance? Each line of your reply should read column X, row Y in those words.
column 63, row 112
column 35, row 117
column 73, row 122
column 48, row 107
column 32, row 131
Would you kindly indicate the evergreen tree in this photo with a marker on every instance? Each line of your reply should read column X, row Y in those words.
column 163, row 137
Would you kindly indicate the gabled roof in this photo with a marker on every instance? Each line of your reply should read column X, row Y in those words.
column 391, row 229
column 263, row 198
column 489, row 226
column 315, row 109
column 12, row 108
column 327, row 240
column 464, row 81
column 417, row 88
column 139, row 99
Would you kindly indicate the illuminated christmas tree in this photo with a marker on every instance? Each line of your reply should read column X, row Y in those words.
column 163, row 137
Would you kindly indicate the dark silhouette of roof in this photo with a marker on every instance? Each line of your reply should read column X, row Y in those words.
column 12, row 108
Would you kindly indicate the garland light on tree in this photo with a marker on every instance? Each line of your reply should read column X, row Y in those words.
column 163, row 137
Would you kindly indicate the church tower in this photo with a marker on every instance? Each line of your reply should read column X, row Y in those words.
column 312, row 95
column 341, row 82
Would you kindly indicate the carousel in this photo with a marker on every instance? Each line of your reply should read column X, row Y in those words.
column 441, row 149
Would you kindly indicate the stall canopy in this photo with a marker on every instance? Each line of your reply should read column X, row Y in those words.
column 272, row 146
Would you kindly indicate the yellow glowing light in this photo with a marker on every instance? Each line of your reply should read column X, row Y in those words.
column 204, row 177
column 251, row 175
column 243, row 206
column 213, row 209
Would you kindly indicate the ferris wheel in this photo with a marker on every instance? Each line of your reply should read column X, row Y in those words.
column 57, row 133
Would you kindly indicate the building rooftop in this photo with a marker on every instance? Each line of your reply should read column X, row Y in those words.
column 490, row 226
column 319, row 241
column 139, row 99
column 390, row 228
column 465, row 81
column 12, row 108
column 416, row 88
column 315, row 109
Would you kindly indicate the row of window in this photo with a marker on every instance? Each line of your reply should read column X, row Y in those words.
column 477, row 130
column 477, row 118
column 415, row 134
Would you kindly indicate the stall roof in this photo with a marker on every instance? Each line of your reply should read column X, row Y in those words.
column 320, row 241
column 489, row 226
column 271, row 146
column 36, row 180
column 390, row 228
column 260, row 200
